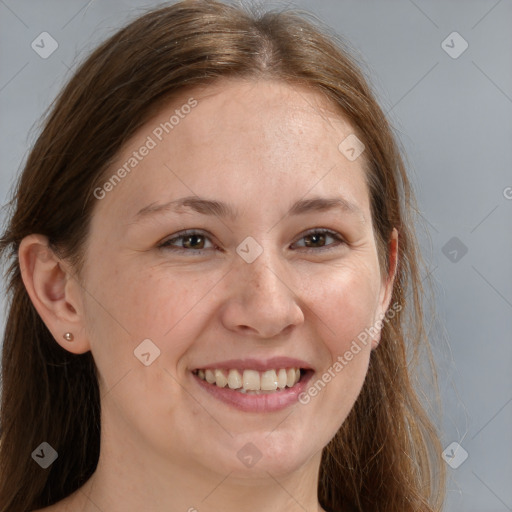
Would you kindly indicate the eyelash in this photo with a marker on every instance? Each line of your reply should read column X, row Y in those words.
column 166, row 245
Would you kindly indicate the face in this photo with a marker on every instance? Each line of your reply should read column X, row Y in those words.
column 276, row 279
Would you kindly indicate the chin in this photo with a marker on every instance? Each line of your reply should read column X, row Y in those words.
column 257, row 455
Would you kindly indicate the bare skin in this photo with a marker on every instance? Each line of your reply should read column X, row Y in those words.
column 166, row 443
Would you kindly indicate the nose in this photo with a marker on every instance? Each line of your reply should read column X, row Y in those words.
column 263, row 299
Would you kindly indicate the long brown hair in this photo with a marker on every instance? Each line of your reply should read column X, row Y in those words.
column 386, row 455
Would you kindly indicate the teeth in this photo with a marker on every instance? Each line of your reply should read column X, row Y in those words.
column 234, row 379
column 269, row 380
column 251, row 380
column 290, row 377
column 281, row 378
column 220, row 379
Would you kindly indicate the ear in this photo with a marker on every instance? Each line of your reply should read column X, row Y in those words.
column 54, row 292
column 386, row 291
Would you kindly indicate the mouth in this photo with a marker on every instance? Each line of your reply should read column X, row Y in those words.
column 252, row 381
column 252, row 386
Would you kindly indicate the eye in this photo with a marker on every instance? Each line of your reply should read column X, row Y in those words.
column 315, row 237
column 194, row 241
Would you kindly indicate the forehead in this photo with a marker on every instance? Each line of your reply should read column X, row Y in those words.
column 263, row 113
column 261, row 139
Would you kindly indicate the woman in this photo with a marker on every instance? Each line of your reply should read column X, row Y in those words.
column 210, row 247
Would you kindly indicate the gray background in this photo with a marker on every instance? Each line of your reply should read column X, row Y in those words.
column 454, row 118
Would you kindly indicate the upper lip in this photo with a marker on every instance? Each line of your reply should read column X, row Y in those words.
column 256, row 364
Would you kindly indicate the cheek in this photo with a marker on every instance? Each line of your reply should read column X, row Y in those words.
column 129, row 305
column 346, row 308
column 346, row 305
column 125, row 307
column 141, row 301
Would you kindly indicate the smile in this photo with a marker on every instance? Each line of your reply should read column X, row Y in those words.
column 252, row 385
column 251, row 381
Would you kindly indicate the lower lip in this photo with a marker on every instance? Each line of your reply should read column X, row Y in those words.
column 266, row 402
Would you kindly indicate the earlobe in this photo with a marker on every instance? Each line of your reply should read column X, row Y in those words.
column 54, row 292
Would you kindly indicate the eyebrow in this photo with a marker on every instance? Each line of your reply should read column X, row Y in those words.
column 211, row 207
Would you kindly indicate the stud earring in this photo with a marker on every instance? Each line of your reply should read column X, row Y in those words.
column 68, row 336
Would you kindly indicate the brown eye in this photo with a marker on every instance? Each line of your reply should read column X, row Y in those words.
column 194, row 241
column 316, row 239
column 188, row 241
